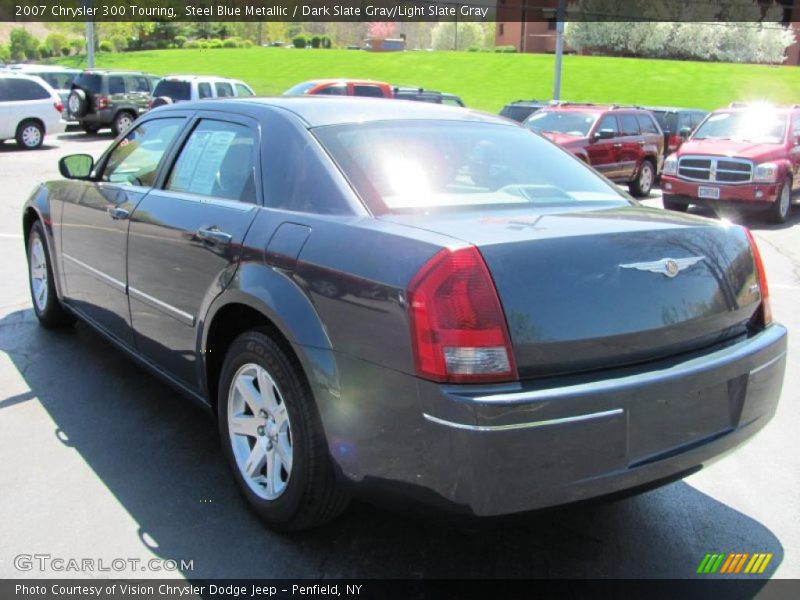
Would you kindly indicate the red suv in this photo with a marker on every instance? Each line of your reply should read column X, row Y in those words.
column 744, row 156
column 623, row 143
column 341, row 87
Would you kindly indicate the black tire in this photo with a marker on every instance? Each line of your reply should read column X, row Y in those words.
column 311, row 496
column 670, row 203
column 77, row 103
column 161, row 101
column 50, row 312
column 90, row 129
column 643, row 182
column 780, row 209
column 122, row 122
column 30, row 135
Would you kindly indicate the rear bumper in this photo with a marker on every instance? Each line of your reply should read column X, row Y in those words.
column 498, row 450
column 753, row 196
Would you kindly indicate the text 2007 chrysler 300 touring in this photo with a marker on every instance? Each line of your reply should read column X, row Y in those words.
column 409, row 298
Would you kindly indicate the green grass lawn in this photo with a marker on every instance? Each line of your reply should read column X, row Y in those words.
column 484, row 80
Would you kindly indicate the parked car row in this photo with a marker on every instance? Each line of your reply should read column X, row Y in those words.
column 29, row 109
column 368, row 88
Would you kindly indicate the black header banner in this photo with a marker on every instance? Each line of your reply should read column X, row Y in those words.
column 774, row 11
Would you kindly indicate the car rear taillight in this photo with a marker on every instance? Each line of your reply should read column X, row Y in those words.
column 673, row 142
column 458, row 329
column 764, row 316
column 58, row 106
column 100, row 101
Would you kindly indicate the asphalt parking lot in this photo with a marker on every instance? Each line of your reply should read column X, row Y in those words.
column 101, row 460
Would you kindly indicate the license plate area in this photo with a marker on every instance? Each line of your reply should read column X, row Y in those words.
column 708, row 192
column 658, row 425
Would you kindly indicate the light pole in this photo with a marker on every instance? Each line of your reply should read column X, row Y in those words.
column 89, row 36
column 560, row 14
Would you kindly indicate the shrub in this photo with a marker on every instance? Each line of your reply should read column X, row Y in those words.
column 203, row 44
column 5, row 53
column 473, row 49
column 77, row 45
column 315, row 41
column 180, row 41
column 192, row 44
column 215, row 43
column 247, row 44
column 149, row 45
column 230, row 43
column 299, row 41
column 326, row 41
column 506, row 49
column 105, row 46
column 56, row 42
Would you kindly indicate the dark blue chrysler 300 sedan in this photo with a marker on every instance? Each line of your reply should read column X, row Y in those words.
column 408, row 298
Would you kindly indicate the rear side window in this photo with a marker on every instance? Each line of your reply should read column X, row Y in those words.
column 91, row 82
column 135, row 159
column 204, row 90
column 217, row 160
column 177, row 90
column 647, row 124
column 116, row 85
column 368, row 91
column 243, row 90
column 224, row 90
column 630, row 125
column 17, row 90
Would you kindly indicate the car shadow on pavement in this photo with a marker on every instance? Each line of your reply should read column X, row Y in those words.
column 10, row 146
column 159, row 455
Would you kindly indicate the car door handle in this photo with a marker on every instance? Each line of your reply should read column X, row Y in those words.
column 617, row 145
column 215, row 236
column 117, row 213
column 642, row 143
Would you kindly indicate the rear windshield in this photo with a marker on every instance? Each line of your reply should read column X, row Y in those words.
column 177, row 90
column 518, row 113
column 59, row 80
column 666, row 120
column 90, row 81
column 567, row 122
column 406, row 166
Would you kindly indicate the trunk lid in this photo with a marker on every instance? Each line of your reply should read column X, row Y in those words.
column 587, row 289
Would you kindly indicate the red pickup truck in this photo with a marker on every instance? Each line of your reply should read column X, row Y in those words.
column 745, row 156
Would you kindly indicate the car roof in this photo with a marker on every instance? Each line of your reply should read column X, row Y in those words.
column 188, row 76
column 23, row 68
column 319, row 111
column 345, row 80
column 94, row 71
column 529, row 103
column 29, row 77
column 674, row 109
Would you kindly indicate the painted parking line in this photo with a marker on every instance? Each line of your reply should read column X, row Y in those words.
column 12, row 236
column 781, row 286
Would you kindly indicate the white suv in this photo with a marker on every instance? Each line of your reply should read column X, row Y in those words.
column 181, row 88
column 29, row 109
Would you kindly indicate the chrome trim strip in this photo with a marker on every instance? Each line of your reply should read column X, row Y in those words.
column 176, row 313
column 768, row 363
column 115, row 283
column 713, row 169
column 529, row 425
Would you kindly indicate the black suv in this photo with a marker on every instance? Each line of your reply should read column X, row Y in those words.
column 519, row 110
column 677, row 124
column 423, row 95
column 114, row 99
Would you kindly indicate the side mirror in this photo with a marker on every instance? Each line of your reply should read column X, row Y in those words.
column 76, row 166
column 604, row 134
column 685, row 132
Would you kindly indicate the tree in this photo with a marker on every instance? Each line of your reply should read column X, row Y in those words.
column 443, row 36
column 381, row 30
column 22, row 44
column 56, row 42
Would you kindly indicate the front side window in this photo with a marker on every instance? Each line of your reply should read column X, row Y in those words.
column 243, row 90
column 135, row 159
column 568, row 122
column 217, row 160
column 224, row 90
column 760, row 126
column 609, row 123
column 420, row 165
column 333, row 90
column 23, row 89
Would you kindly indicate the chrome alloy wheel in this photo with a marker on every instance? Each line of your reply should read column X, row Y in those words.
column 37, row 267
column 785, row 199
column 260, row 432
column 31, row 136
column 646, row 178
column 124, row 122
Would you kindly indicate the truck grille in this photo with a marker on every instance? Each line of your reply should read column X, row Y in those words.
column 715, row 170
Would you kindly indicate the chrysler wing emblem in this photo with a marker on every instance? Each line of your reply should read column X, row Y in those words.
column 669, row 267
